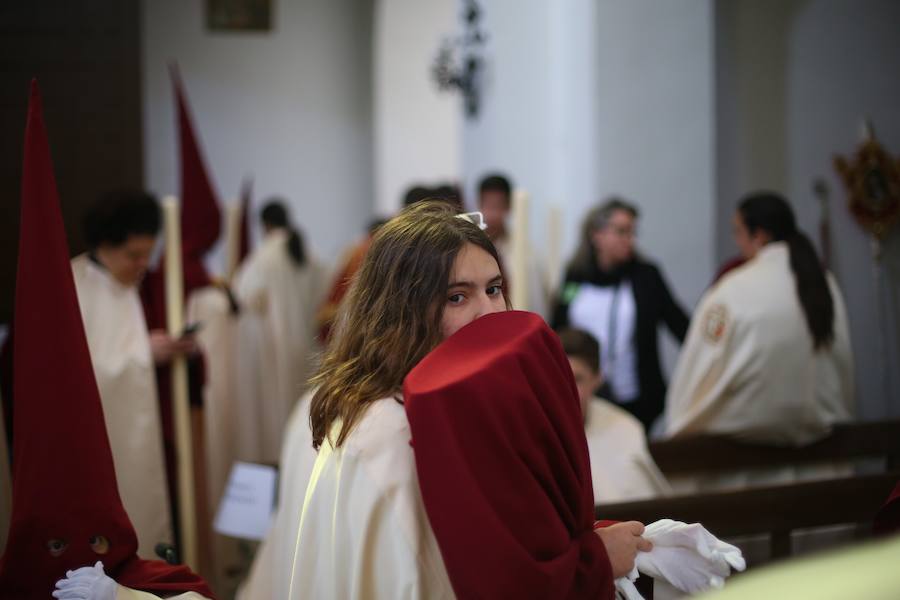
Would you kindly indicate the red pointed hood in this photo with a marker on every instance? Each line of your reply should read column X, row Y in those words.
column 200, row 215
column 64, row 485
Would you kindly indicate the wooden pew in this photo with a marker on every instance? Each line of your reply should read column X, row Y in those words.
column 710, row 453
column 776, row 509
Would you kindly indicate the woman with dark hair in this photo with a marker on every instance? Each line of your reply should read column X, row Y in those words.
column 768, row 354
column 279, row 287
column 611, row 292
column 369, row 526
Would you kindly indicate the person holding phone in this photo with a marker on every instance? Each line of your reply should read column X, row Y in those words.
column 121, row 230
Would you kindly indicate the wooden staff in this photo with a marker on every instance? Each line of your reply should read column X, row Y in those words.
column 232, row 239
column 519, row 274
column 187, row 508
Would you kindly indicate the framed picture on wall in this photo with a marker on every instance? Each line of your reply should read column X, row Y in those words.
column 239, row 15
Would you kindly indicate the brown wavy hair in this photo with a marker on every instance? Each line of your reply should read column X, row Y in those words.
column 391, row 316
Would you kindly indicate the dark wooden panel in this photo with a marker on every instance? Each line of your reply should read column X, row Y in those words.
column 710, row 453
column 86, row 56
column 767, row 509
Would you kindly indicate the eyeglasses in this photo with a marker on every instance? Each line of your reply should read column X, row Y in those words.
column 622, row 231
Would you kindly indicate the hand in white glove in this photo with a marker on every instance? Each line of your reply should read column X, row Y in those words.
column 86, row 583
column 688, row 556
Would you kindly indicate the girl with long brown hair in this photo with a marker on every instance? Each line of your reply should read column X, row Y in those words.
column 363, row 529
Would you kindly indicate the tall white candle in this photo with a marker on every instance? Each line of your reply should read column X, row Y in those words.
column 519, row 271
column 180, row 405
column 232, row 238
column 554, row 241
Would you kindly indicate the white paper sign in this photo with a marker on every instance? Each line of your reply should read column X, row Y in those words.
column 247, row 505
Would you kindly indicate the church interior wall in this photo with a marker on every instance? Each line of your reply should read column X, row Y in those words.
column 416, row 125
column 292, row 107
column 587, row 99
column 794, row 83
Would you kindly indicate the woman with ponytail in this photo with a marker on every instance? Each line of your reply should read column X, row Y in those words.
column 767, row 355
column 279, row 287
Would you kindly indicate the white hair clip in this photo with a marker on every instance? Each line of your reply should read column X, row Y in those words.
column 475, row 218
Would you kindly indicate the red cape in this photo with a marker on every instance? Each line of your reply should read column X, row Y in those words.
column 503, row 463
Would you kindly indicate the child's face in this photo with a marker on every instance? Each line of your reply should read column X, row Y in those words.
column 475, row 289
column 587, row 380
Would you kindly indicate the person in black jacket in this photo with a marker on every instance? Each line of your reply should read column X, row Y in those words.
column 621, row 299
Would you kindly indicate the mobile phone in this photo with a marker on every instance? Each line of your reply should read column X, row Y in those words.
column 191, row 328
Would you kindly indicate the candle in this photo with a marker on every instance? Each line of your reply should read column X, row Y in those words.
column 554, row 235
column 180, row 405
column 519, row 274
column 232, row 238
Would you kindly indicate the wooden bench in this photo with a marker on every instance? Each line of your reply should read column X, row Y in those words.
column 710, row 453
column 776, row 510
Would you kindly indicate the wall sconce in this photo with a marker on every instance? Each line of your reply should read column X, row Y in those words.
column 459, row 62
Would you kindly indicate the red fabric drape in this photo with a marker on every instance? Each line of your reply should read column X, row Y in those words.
column 503, row 463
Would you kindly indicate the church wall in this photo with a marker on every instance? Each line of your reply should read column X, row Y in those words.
column 795, row 82
column 292, row 107
column 585, row 99
column 416, row 126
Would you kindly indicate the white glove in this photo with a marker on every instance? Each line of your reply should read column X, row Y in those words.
column 86, row 583
column 687, row 556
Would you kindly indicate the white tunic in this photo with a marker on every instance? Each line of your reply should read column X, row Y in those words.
column 123, row 366
column 621, row 466
column 217, row 338
column 277, row 338
column 748, row 366
column 364, row 532
column 270, row 575
column 609, row 313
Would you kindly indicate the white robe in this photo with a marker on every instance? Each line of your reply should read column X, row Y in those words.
column 363, row 531
column 748, row 366
column 621, row 466
column 123, row 366
column 270, row 575
column 277, row 338
column 221, row 417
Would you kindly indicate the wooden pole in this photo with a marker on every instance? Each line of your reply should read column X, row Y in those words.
column 187, row 507
column 520, row 230
column 232, row 238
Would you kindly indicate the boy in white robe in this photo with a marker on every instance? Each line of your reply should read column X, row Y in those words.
column 621, row 466
column 121, row 233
